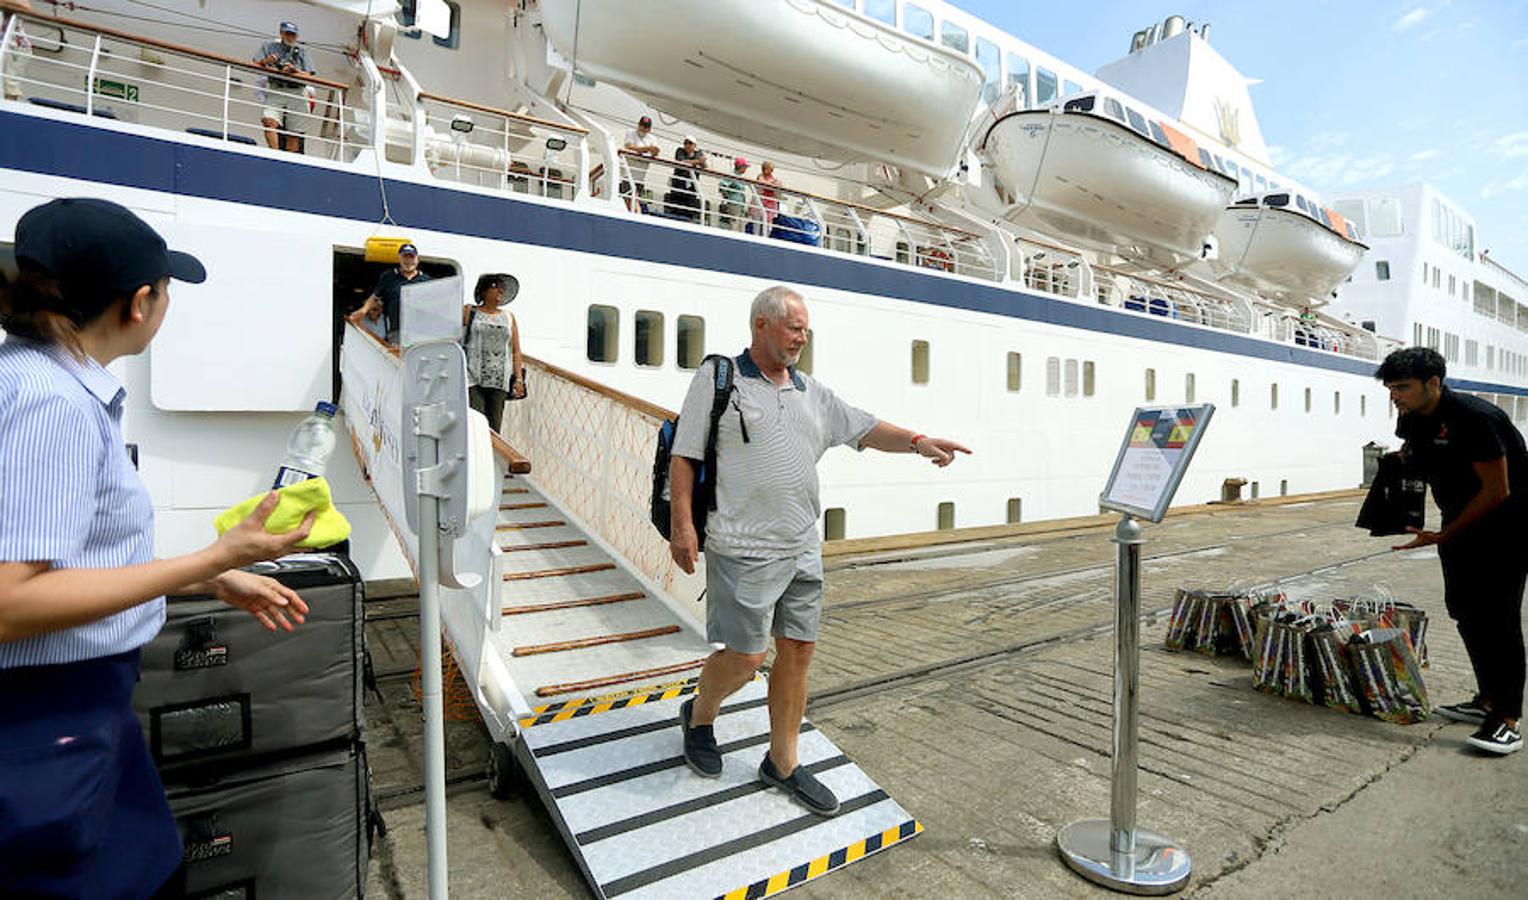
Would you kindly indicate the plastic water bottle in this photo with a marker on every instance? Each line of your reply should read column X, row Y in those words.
column 308, row 451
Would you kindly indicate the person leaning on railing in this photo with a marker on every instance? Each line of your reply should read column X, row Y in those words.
column 285, row 110
column 734, row 193
column 683, row 197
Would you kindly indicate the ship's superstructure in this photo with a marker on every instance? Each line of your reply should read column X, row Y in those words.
column 995, row 245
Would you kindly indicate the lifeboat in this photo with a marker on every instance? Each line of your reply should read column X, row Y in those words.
column 1094, row 169
column 802, row 76
column 1283, row 251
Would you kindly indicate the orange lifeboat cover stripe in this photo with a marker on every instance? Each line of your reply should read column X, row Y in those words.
column 1182, row 144
column 1339, row 224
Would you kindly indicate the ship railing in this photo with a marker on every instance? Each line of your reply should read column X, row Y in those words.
column 474, row 143
column 593, row 447
column 1051, row 269
column 718, row 199
column 99, row 71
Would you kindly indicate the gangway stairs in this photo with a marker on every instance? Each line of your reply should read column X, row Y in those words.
column 578, row 660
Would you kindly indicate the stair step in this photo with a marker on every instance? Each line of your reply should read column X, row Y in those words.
column 517, row 526
column 594, row 641
column 571, row 604
column 552, row 690
column 558, row 573
column 549, row 545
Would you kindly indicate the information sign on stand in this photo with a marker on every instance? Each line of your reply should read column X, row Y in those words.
column 1113, row 852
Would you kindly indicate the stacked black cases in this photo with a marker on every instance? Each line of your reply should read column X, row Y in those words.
column 258, row 738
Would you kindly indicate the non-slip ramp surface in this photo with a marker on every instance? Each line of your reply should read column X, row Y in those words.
column 642, row 825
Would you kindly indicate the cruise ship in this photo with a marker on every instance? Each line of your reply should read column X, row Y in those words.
column 995, row 245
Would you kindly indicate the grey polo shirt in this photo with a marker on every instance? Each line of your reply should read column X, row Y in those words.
column 767, row 502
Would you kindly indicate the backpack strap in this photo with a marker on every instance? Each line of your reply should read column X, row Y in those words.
column 722, row 383
column 467, row 329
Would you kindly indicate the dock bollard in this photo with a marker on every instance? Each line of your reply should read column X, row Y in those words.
column 1113, row 852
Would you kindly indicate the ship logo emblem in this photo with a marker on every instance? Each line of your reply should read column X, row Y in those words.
column 1228, row 117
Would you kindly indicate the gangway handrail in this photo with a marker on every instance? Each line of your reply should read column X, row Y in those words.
column 498, row 111
column 26, row 11
column 625, row 399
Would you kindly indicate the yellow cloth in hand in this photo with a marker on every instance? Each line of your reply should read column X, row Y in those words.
column 297, row 500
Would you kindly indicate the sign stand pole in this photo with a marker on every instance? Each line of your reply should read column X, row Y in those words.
column 1113, row 852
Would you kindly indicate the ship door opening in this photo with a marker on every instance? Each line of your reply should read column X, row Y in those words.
column 355, row 279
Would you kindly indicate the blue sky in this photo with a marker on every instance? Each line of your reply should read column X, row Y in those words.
column 1356, row 94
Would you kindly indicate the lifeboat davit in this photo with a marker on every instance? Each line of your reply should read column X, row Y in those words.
column 803, row 76
column 1087, row 170
column 1267, row 244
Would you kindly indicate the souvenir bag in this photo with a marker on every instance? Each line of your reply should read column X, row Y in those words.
column 1295, row 680
column 1184, row 602
column 1388, row 675
column 1329, row 661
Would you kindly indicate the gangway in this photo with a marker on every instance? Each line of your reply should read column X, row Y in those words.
column 578, row 653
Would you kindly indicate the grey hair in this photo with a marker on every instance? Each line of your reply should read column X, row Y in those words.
column 770, row 304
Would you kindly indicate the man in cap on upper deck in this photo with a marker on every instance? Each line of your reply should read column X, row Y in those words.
column 640, row 141
column 386, row 297
column 285, row 112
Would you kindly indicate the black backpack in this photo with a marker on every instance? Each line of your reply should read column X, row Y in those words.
column 703, row 499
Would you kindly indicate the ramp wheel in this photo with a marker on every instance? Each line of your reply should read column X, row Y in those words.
column 504, row 776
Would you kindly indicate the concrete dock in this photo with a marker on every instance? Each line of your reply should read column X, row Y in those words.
column 973, row 682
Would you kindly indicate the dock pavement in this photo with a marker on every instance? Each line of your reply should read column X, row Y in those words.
column 973, row 681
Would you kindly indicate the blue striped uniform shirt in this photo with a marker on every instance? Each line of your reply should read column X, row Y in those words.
column 69, row 495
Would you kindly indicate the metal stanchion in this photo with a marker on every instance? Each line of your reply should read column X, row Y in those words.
column 1113, row 852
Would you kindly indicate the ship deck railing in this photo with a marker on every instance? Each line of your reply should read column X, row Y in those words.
column 687, row 192
column 483, row 145
column 99, row 71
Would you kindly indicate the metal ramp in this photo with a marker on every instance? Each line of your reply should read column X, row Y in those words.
column 605, row 756
column 578, row 657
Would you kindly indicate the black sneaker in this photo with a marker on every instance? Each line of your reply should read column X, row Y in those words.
column 700, row 751
column 803, row 787
column 1496, row 737
column 1469, row 711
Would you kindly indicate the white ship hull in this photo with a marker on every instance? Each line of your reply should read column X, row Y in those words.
column 1100, row 184
column 1281, row 253
column 844, row 86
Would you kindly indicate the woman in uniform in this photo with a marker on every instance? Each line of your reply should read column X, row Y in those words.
column 82, row 810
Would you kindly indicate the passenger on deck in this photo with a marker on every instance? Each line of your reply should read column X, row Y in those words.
column 683, row 197
column 733, row 211
column 763, row 552
column 767, row 196
column 16, row 56
column 491, row 342
column 1474, row 460
column 387, row 295
column 285, row 112
column 638, row 140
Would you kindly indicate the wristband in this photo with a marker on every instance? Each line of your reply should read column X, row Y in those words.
column 913, row 444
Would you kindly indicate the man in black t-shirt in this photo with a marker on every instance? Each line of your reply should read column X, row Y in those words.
column 1475, row 461
column 386, row 297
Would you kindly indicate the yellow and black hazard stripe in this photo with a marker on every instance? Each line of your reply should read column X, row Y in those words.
column 805, row 872
column 588, row 706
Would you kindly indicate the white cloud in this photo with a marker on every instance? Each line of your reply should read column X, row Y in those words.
column 1520, row 42
column 1411, row 19
column 1421, row 155
column 1277, row 155
column 1511, row 185
column 1510, row 146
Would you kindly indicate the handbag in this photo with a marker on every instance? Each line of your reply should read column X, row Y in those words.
column 517, row 387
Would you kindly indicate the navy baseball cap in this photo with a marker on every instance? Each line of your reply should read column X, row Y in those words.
column 93, row 244
column 407, row 249
column 288, row 27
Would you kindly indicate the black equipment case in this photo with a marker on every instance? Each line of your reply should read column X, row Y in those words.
column 217, row 688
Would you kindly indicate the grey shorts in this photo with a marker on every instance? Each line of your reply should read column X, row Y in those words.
column 748, row 599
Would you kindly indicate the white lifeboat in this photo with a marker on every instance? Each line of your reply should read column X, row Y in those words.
column 1282, row 251
column 1102, row 174
column 802, row 76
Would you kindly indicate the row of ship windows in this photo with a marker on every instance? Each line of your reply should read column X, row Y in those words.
column 1488, row 301
column 1190, row 393
column 1498, row 359
column 1064, row 377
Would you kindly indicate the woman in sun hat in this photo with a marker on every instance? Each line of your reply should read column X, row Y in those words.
column 82, row 810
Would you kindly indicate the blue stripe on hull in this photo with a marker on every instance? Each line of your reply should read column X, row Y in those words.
column 89, row 153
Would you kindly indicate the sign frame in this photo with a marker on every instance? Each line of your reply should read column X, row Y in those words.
column 1204, row 412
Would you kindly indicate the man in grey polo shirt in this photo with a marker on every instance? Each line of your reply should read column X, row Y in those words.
column 763, row 553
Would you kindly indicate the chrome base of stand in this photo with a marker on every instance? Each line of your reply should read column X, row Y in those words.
column 1156, row 866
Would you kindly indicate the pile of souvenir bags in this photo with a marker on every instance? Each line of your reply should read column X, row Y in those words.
column 1362, row 655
